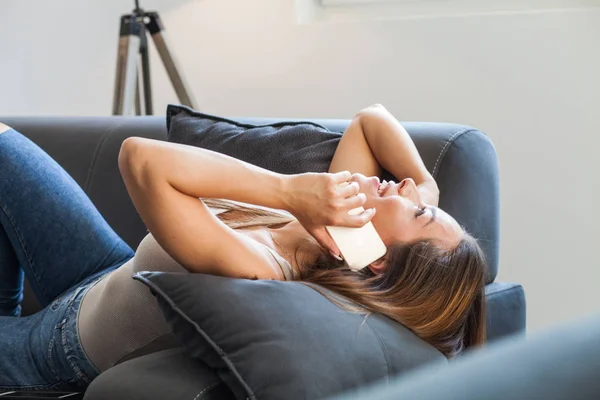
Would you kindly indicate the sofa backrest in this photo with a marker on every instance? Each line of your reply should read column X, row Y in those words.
column 462, row 160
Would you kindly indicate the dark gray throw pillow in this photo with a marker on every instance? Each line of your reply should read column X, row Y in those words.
column 284, row 147
column 282, row 340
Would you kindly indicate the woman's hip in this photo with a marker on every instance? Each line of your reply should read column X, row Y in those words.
column 43, row 351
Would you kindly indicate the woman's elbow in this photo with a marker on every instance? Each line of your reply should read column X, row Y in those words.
column 373, row 110
column 372, row 117
column 133, row 159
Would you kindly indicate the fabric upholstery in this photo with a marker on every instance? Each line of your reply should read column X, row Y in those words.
column 557, row 364
column 282, row 340
column 506, row 310
column 169, row 374
column 284, row 147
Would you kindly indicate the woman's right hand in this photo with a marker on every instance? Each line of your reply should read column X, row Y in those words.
column 320, row 199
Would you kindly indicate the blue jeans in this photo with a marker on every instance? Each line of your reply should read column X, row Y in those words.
column 50, row 232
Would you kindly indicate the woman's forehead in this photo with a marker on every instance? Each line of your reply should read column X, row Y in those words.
column 446, row 228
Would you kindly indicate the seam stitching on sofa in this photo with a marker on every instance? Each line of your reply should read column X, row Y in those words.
column 491, row 294
column 88, row 180
column 220, row 352
column 445, row 148
column 384, row 349
column 209, row 387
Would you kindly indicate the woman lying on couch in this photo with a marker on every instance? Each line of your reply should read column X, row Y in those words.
column 431, row 278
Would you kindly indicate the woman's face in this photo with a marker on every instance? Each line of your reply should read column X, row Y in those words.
column 403, row 217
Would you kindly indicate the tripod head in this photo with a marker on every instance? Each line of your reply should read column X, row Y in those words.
column 138, row 11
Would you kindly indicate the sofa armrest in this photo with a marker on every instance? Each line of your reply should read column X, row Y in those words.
column 506, row 310
column 560, row 363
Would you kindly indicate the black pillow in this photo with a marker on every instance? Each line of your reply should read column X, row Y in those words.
column 282, row 340
column 289, row 147
column 284, row 147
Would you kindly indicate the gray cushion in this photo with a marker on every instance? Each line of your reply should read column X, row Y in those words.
column 290, row 147
column 282, row 340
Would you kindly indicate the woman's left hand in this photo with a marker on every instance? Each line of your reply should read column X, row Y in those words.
column 321, row 199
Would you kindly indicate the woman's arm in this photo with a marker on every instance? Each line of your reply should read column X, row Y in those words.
column 166, row 180
column 375, row 140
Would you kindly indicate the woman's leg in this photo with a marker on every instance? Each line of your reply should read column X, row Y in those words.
column 11, row 279
column 11, row 275
column 58, row 238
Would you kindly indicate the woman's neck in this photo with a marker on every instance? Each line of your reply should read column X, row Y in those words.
column 295, row 244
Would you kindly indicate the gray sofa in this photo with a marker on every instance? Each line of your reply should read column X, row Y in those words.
column 462, row 160
column 561, row 363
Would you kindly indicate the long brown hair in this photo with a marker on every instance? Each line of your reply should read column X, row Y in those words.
column 437, row 293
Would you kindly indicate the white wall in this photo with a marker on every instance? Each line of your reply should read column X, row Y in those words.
column 532, row 82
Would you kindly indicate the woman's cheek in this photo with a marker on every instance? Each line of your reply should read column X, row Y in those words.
column 382, row 219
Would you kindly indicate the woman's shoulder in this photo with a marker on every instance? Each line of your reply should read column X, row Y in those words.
column 286, row 268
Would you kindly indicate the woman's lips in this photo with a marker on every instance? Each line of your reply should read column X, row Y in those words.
column 383, row 188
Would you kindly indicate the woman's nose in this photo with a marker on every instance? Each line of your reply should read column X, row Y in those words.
column 408, row 188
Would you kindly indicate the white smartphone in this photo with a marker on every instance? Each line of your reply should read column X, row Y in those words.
column 359, row 246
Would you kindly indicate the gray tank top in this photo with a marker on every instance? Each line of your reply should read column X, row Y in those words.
column 119, row 318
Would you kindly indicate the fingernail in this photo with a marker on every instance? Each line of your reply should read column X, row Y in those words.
column 335, row 256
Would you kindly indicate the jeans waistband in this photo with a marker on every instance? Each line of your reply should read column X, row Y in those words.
column 83, row 369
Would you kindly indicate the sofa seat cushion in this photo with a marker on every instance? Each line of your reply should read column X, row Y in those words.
column 169, row 374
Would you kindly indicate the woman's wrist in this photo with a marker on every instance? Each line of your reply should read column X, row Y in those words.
column 285, row 193
column 429, row 191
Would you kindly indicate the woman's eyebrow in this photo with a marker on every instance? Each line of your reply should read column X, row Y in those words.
column 433, row 215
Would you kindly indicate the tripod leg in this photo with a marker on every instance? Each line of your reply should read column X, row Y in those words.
column 155, row 27
column 129, row 45
column 145, row 72
column 138, row 103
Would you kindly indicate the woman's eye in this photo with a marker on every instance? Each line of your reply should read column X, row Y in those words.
column 420, row 211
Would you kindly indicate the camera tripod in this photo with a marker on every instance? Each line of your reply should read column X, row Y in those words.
column 133, row 46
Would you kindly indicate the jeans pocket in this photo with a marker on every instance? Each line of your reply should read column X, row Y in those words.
column 63, row 358
column 74, row 358
column 52, row 354
column 80, row 368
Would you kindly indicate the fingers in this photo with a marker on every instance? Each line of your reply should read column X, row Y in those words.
column 354, row 201
column 322, row 236
column 356, row 221
column 349, row 190
column 342, row 176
